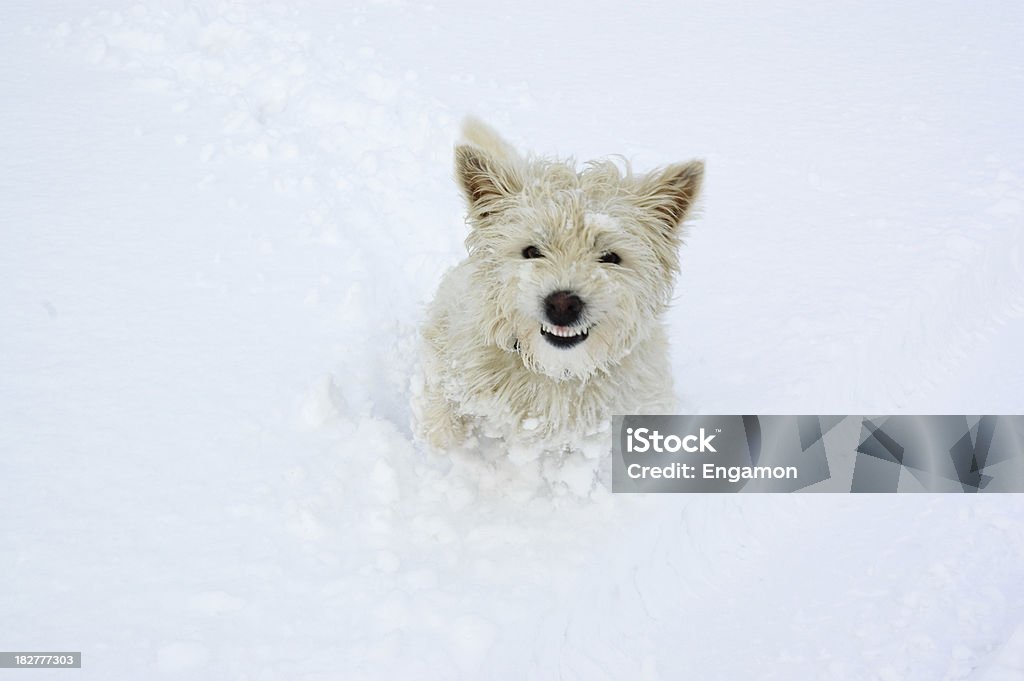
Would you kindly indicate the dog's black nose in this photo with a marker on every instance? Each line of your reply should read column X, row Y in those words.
column 563, row 308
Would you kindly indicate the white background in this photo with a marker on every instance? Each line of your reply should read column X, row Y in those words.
column 220, row 223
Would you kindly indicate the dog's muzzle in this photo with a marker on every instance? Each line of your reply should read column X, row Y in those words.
column 563, row 310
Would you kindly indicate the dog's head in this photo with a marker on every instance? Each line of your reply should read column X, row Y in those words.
column 575, row 266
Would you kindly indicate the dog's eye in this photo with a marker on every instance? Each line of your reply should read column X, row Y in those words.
column 611, row 258
column 532, row 252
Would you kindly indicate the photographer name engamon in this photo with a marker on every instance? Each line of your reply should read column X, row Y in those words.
column 644, row 440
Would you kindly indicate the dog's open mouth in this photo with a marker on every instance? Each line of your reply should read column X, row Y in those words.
column 563, row 336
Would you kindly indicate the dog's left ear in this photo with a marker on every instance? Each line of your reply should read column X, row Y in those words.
column 671, row 193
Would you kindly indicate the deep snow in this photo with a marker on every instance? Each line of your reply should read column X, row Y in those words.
column 219, row 223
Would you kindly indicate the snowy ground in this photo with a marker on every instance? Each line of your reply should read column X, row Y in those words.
column 220, row 221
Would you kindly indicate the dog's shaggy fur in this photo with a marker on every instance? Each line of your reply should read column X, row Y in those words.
column 552, row 324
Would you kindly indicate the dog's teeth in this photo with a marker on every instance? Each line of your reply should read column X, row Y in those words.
column 562, row 332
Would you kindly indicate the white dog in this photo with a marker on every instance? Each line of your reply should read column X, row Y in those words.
column 552, row 324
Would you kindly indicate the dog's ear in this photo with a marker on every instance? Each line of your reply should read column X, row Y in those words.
column 671, row 193
column 483, row 136
column 485, row 180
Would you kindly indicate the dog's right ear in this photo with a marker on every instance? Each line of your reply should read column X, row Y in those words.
column 485, row 180
column 482, row 136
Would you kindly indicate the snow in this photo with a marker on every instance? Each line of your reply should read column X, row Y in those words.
column 220, row 223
